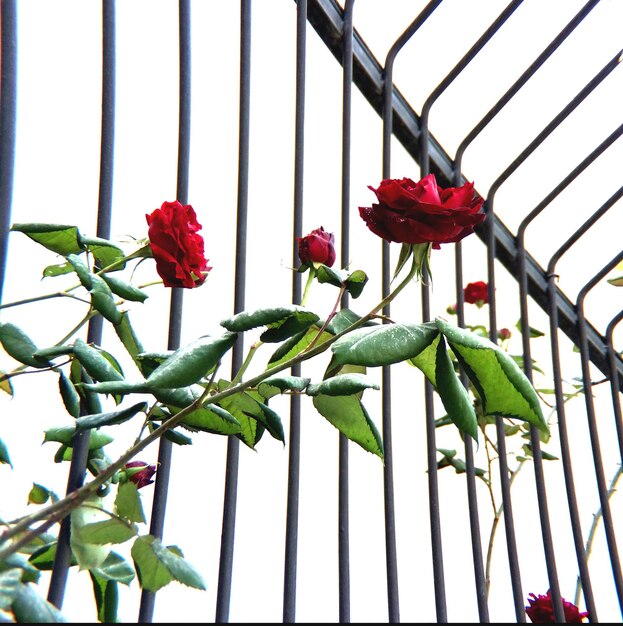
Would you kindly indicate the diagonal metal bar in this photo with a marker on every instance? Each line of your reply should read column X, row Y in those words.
column 326, row 17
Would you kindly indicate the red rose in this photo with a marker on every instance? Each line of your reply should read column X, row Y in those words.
column 141, row 478
column 317, row 247
column 541, row 610
column 176, row 245
column 422, row 212
column 476, row 293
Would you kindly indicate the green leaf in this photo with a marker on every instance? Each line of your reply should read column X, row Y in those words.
column 275, row 385
column 38, row 494
column 356, row 282
column 247, row 405
column 65, row 435
column 115, row 568
column 81, row 269
column 5, row 383
column 191, row 363
column 88, row 554
column 350, row 417
column 177, row 438
column 325, row 274
column 70, row 396
column 453, row 394
column 106, row 598
column 128, row 503
column 130, row 341
column 98, row 364
column 29, row 607
column 20, row 346
column 103, row 300
column 534, row 332
column 28, row 572
column 107, row 419
column 158, row 565
column 125, row 290
column 110, row 530
column 617, row 281
column 10, row 580
column 43, row 557
column 296, row 344
column 381, row 345
column 342, row 385
column 502, row 387
column 4, row 454
column 298, row 317
column 58, row 238
column 57, row 270
column 212, row 419
column 117, row 387
column 104, row 251
column 343, row 319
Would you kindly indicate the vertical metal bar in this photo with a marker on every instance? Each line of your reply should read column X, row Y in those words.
column 602, row 487
column 80, row 451
column 294, row 459
column 223, row 596
column 391, row 556
column 424, row 164
column 527, row 355
column 8, row 98
column 165, row 446
column 343, row 505
column 615, row 387
column 560, row 402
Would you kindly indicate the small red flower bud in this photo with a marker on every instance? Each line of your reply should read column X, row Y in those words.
column 504, row 334
column 317, row 247
column 141, row 478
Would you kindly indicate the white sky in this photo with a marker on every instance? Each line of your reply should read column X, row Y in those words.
column 56, row 180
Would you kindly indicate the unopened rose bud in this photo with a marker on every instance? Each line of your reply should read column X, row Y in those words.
column 504, row 334
column 451, row 310
column 140, row 477
column 317, row 247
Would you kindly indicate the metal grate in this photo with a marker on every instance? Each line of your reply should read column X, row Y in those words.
column 515, row 100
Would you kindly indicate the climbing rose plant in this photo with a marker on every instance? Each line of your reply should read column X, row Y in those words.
column 189, row 398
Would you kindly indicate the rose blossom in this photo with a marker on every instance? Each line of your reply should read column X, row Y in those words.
column 317, row 247
column 476, row 293
column 176, row 246
column 541, row 610
column 142, row 478
column 422, row 212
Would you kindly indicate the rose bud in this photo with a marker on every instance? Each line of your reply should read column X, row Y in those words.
column 504, row 334
column 317, row 247
column 476, row 293
column 415, row 213
column 140, row 477
column 176, row 246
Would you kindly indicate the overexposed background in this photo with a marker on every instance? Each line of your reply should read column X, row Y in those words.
column 56, row 180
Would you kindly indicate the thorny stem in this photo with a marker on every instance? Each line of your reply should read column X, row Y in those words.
column 494, row 525
column 61, row 508
column 593, row 530
column 328, row 320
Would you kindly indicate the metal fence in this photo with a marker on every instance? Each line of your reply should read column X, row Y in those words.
column 524, row 99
